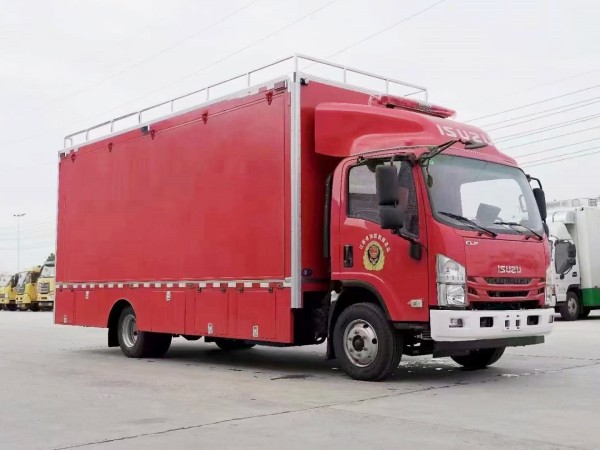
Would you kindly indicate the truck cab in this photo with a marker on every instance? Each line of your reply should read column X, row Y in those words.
column 575, row 265
column 27, row 290
column 46, row 286
column 8, row 294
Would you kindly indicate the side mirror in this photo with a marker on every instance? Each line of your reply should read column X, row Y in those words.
column 386, row 178
column 540, row 199
column 392, row 217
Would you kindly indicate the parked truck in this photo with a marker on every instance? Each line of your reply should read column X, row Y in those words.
column 46, row 286
column 27, row 289
column 298, row 211
column 575, row 268
column 8, row 294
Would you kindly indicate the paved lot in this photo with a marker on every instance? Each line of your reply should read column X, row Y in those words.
column 62, row 388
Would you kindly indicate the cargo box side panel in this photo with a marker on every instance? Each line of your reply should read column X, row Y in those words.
column 588, row 248
column 191, row 201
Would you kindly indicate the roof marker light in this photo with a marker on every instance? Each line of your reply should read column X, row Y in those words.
column 391, row 101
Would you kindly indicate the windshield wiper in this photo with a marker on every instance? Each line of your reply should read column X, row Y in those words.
column 470, row 222
column 516, row 224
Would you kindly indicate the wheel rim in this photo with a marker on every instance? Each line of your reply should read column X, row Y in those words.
column 129, row 331
column 572, row 306
column 360, row 343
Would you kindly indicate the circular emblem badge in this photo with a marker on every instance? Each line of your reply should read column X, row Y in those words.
column 374, row 257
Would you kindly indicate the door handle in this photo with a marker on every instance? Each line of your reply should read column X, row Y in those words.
column 348, row 256
column 574, row 274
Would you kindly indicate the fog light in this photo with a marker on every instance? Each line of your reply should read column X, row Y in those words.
column 456, row 323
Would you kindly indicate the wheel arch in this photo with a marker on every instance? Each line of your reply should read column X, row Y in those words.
column 576, row 288
column 113, row 320
column 352, row 292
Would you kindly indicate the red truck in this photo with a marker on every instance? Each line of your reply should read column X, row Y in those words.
column 298, row 211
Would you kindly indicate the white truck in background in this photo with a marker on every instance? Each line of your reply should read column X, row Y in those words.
column 574, row 274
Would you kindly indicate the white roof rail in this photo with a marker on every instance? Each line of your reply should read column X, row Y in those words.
column 299, row 63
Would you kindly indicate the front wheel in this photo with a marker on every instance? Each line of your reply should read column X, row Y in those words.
column 571, row 309
column 140, row 344
column 479, row 359
column 365, row 344
column 11, row 307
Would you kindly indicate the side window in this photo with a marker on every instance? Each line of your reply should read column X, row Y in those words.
column 362, row 197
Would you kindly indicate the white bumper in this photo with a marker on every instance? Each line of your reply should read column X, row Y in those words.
column 506, row 324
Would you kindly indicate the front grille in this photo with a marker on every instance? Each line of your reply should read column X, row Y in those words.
column 499, row 306
column 507, row 280
column 504, row 294
column 44, row 288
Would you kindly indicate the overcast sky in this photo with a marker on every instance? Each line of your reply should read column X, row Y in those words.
column 68, row 64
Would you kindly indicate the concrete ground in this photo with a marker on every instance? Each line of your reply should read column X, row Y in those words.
column 62, row 388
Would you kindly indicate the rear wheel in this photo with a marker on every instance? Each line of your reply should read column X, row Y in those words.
column 34, row 307
column 479, row 359
column 571, row 309
column 233, row 344
column 366, row 345
column 139, row 344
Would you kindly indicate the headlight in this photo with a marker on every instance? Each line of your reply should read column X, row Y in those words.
column 451, row 279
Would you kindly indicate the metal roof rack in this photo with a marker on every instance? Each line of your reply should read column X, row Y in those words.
column 308, row 65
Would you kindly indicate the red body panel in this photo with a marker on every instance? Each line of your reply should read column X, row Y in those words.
column 190, row 221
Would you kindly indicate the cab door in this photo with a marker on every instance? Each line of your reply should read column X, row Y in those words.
column 375, row 258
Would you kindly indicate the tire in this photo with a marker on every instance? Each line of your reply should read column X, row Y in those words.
column 571, row 309
column 34, row 307
column 139, row 344
column 11, row 307
column 22, row 307
column 366, row 345
column 479, row 359
column 585, row 312
column 229, row 345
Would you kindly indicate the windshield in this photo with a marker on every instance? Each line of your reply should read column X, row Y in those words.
column 48, row 272
column 23, row 276
column 484, row 192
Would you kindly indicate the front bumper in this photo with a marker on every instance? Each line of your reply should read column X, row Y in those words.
column 489, row 324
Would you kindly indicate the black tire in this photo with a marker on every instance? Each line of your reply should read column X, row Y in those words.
column 479, row 359
column 585, row 312
column 139, row 344
column 22, row 307
column 34, row 307
column 11, row 307
column 229, row 345
column 571, row 309
column 368, row 322
column 161, row 344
